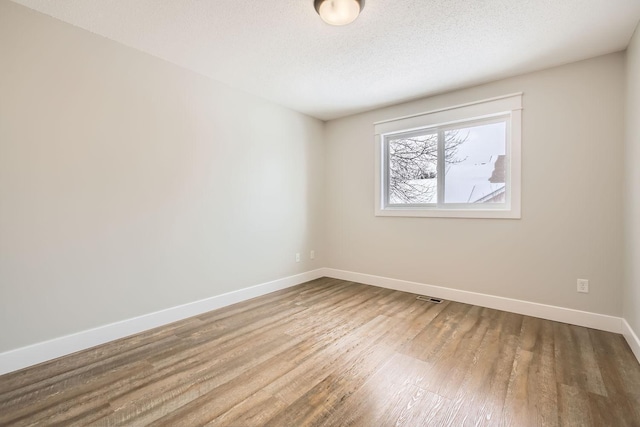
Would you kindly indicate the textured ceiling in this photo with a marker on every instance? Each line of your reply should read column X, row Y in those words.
column 395, row 51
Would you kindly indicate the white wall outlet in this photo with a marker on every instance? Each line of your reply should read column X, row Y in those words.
column 583, row 286
column 312, row 254
column 298, row 257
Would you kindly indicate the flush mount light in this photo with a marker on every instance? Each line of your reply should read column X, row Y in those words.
column 338, row 12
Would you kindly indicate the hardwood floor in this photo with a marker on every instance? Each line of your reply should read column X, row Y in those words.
column 335, row 353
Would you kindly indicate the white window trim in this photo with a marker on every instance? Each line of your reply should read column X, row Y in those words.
column 507, row 105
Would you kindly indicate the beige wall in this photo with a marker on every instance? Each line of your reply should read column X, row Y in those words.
column 632, row 190
column 130, row 185
column 571, row 198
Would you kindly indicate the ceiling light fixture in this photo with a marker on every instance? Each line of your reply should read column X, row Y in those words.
column 338, row 12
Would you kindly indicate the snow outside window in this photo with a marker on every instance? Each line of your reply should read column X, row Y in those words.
column 457, row 162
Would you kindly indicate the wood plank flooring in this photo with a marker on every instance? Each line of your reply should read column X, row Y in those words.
column 336, row 353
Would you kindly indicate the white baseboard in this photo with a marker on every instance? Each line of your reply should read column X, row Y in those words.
column 41, row 352
column 543, row 311
column 57, row 347
column 632, row 338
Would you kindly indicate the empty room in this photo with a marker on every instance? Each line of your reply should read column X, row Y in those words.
column 319, row 213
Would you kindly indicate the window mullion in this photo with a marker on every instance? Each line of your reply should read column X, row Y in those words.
column 386, row 171
column 440, row 168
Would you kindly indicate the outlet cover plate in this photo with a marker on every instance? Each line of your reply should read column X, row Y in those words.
column 583, row 286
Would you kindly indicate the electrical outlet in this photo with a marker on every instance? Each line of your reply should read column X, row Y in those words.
column 312, row 254
column 298, row 257
column 583, row 286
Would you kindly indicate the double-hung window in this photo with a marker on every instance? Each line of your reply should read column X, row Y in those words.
column 461, row 161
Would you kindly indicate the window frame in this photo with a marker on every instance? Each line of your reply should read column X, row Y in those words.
column 507, row 108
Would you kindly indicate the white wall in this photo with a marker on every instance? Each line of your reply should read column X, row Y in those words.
column 632, row 190
column 130, row 185
column 571, row 224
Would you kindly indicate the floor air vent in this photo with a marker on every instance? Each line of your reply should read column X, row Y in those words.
column 429, row 299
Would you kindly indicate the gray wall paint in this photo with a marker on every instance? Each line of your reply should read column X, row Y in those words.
column 571, row 198
column 130, row 185
column 632, row 190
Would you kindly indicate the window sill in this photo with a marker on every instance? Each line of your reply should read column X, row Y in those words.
column 449, row 213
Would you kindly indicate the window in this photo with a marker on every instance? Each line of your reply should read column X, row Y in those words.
column 457, row 162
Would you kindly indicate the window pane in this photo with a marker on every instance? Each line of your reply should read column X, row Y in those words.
column 412, row 166
column 475, row 164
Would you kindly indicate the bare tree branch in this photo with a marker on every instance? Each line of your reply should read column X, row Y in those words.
column 413, row 165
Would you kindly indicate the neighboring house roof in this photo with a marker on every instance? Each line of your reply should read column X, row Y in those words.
column 477, row 183
column 497, row 196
